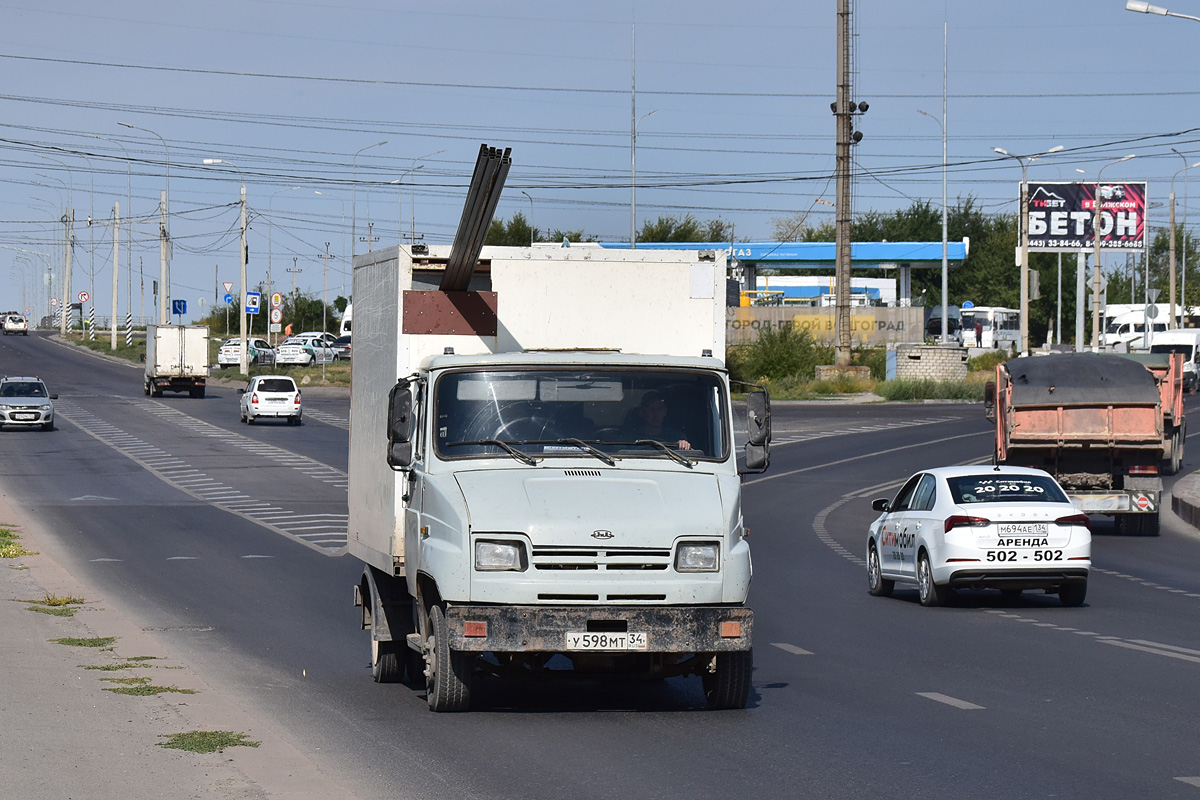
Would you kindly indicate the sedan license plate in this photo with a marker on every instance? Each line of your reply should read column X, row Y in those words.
column 23, row 416
column 1022, row 528
column 607, row 641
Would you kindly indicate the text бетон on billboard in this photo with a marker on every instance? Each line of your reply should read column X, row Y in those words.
column 1061, row 216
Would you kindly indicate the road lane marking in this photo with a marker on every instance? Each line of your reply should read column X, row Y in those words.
column 1152, row 650
column 791, row 648
column 950, row 701
column 1162, row 646
column 828, row 464
column 1190, row 781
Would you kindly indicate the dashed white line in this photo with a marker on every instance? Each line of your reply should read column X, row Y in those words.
column 791, row 648
column 950, row 701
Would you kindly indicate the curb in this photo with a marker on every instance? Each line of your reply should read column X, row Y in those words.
column 1185, row 499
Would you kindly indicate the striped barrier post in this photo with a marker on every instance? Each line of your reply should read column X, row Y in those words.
column 129, row 329
column 91, row 323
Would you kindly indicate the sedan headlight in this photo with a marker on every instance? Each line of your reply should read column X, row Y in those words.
column 698, row 557
column 499, row 557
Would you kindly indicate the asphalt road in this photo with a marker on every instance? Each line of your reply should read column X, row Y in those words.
column 224, row 539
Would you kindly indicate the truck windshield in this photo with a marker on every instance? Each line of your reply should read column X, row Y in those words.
column 595, row 414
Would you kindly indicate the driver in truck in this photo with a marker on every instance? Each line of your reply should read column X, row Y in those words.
column 650, row 422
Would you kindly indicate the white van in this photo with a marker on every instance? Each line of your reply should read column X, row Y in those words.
column 345, row 329
column 1186, row 341
column 1128, row 330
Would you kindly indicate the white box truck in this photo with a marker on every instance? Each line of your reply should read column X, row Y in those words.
column 543, row 470
column 176, row 359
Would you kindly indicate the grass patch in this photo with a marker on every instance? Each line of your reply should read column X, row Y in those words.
column 59, row 611
column 988, row 361
column 207, row 741
column 108, row 667
column 135, row 353
column 10, row 545
column 55, row 600
column 336, row 374
column 147, row 689
column 900, row 390
column 142, row 658
column 95, row 641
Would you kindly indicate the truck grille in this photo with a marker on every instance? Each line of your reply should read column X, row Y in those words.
column 614, row 559
column 582, row 473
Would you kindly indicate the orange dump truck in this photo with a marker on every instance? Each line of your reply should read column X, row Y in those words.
column 1107, row 427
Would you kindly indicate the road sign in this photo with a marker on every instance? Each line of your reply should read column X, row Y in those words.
column 276, row 315
column 228, row 285
column 274, row 327
column 54, row 302
column 177, row 306
column 276, row 300
column 27, row 311
column 84, row 297
column 1152, row 311
column 253, row 301
column 228, row 299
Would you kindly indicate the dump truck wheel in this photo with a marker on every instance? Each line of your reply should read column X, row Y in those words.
column 448, row 673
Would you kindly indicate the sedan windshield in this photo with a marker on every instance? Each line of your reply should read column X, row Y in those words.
column 22, row 389
column 594, row 413
column 993, row 488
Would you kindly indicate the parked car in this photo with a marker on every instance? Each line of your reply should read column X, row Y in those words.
column 25, row 402
column 260, row 351
column 14, row 324
column 1008, row 528
column 342, row 345
column 325, row 336
column 304, row 351
column 270, row 396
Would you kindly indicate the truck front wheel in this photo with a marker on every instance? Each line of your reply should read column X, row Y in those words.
column 727, row 681
column 448, row 672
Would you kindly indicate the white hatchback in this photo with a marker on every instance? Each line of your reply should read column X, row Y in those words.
column 270, row 396
column 1009, row 528
column 16, row 324
column 304, row 351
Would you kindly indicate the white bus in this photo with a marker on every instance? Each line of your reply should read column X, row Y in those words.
column 991, row 327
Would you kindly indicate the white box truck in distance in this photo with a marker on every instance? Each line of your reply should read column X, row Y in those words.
column 176, row 359
column 543, row 472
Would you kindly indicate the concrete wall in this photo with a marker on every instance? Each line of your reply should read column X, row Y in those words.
column 872, row 326
column 927, row 362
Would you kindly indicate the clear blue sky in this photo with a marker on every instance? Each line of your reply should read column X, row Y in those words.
column 741, row 130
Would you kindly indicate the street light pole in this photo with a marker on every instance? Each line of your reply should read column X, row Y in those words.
column 354, row 195
column 1172, row 247
column 633, row 178
column 1096, row 255
column 530, row 216
column 1023, row 225
column 164, row 269
column 1146, row 8
column 412, row 188
column 243, row 355
column 945, row 244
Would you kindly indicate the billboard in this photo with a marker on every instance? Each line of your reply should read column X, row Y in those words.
column 1061, row 216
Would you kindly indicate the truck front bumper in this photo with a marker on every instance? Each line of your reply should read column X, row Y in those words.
column 544, row 629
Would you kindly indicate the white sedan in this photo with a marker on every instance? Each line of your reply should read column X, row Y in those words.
column 260, row 351
column 304, row 350
column 270, row 396
column 1009, row 528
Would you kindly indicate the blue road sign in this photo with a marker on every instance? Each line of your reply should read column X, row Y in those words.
column 179, row 307
column 253, row 301
column 228, row 299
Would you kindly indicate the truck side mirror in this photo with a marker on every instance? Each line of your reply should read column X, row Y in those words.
column 758, row 458
column 758, row 417
column 400, row 426
column 989, row 400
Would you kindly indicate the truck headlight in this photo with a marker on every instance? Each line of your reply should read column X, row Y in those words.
column 698, row 557
column 498, row 556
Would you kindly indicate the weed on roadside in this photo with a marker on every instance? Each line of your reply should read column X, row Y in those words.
column 206, row 741
column 54, row 611
column 10, row 545
column 95, row 641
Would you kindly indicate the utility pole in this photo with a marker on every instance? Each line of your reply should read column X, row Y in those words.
column 116, row 270
column 325, row 302
column 68, row 218
column 294, row 270
column 243, row 355
column 163, row 318
column 842, row 225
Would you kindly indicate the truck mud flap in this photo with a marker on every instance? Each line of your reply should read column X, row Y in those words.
column 538, row 629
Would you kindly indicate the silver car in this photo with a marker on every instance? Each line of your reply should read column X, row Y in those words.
column 26, row 403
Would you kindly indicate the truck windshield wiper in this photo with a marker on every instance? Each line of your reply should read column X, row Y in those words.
column 597, row 452
column 687, row 462
column 505, row 446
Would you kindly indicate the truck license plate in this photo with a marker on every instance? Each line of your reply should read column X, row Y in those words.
column 1022, row 528
column 607, row 641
